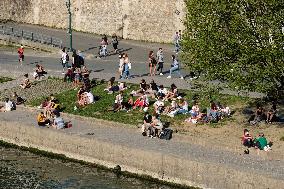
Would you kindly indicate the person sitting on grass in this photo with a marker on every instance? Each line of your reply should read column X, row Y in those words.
column 118, row 102
column 212, row 114
column 159, row 106
column 261, row 143
column 271, row 114
column 39, row 72
column 80, row 93
column 153, row 90
column 111, row 88
column 26, row 82
column 183, row 106
column 9, row 106
column 58, row 122
column 129, row 104
column 69, row 75
column 122, row 86
column 147, row 129
column 258, row 116
column 194, row 110
column 17, row 99
column 142, row 102
column 51, row 105
column 85, row 71
column 247, row 139
column 42, row 120
column 157, row 125
column 83, row 100
column 172, row 93
column 143, row 87
column 172, row 109
column 162, row 91
column 86, row 82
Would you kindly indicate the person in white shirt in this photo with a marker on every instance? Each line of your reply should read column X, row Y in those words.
column 90, row 98
column 64, row 59
column 9, row 106
column 159, row 105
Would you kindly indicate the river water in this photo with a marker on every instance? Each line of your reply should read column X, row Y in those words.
column 24, row 170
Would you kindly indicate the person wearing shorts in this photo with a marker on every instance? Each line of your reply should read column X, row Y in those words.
column 21, row 54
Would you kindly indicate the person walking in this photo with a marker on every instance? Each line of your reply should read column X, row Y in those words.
column 175, row 67
column 114, row 42
column 21, row 54
column 152, row 64
column 64, row 60
column 160, row 58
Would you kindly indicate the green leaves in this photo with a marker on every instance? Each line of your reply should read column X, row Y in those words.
column 237, row 41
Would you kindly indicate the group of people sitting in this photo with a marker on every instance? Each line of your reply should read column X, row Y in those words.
column 51, row 114
column 84, row 97
column 259, row 142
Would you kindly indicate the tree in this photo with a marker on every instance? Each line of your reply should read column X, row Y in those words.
column 239, row 42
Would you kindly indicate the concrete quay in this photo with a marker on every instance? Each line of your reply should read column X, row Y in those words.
column 175, row 161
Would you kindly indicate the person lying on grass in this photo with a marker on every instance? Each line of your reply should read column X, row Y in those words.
column 261, row 143
column 26, row 82
column 42, row 120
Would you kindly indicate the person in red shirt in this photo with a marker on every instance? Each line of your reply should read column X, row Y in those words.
column 21, row 54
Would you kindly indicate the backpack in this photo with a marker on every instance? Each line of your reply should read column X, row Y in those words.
column 166, row 134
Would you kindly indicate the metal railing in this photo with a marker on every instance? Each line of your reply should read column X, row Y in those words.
column 32, row 36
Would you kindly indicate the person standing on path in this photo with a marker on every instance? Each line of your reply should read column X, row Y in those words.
column 177, row 38
column 152, row 64
column 114, row 42
column 21, row 54
column 175, row 67
column 121, row 65
column 127, row 67
column 64, row 60
column 160, row 58
column 76, row 60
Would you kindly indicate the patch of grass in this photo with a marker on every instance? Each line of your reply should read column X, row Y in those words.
column 5, row 79
column 100, row 108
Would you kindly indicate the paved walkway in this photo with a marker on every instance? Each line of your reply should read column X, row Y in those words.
column 132, row 138
column 102, row 68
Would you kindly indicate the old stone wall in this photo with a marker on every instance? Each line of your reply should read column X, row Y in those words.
column 150, row 20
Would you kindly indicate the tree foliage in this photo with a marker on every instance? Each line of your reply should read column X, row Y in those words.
column 236, row 41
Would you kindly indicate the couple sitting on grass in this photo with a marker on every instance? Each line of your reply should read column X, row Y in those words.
column 51, row 106
column 258, row 143
column 84, row 97
column 260, row 115
column 56, row 121
column 10, row 104
column 152, row 125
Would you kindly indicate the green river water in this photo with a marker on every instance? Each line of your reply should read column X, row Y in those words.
column 22, row 169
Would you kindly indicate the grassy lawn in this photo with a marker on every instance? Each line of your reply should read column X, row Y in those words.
column 99, row 109
column 5, row 79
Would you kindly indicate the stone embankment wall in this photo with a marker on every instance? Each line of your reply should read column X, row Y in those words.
column 149, row 20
